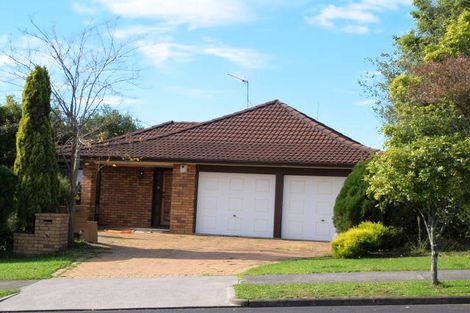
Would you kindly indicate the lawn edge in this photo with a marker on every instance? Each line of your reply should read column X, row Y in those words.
column 350, row 301
column 10, row 295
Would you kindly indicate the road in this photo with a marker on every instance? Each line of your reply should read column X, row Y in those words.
column 445, row 308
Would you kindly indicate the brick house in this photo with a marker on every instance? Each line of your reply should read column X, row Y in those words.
column 268, row 171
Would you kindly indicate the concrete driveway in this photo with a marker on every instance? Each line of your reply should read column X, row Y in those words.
column 164, row 254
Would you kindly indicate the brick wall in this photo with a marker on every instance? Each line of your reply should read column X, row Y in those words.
column 126, row 198
column 89, row 189
column 50, row 235
column 183, row 199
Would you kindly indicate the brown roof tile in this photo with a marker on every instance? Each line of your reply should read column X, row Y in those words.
column 271, row 133
column 149, row 133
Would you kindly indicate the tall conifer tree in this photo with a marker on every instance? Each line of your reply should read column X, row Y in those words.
column 36, row 160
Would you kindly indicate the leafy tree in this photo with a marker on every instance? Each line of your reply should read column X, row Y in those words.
column 454, row 43
column 449, row 79
column 103, row 124
column 8, row 183
column 432, row 19
column 427, row 162
column 10, row 115
column 36, row 161
column 109, row 122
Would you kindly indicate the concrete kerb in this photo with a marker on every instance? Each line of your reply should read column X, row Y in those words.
column 9, row 296
column 349, row 301
column 125, row 309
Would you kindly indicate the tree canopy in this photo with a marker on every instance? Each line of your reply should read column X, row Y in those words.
column 10, row 115
column 440, row 28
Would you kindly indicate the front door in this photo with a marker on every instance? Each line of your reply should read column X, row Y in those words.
column 166, row 197
column 163, row 179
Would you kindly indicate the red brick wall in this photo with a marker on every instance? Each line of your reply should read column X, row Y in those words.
column 183, row 199
column 50, row 235
column 126, row 198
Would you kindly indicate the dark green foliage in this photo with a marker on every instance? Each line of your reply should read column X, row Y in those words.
column 352, row 205
column 36, row 160
column 109, row 122
column 10, row 115
column 105, row 123
column 64, row 188
column 8, row 183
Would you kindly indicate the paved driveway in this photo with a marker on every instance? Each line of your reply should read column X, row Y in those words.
column 164, row 254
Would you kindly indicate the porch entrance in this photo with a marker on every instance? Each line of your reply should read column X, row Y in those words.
column 161, row 206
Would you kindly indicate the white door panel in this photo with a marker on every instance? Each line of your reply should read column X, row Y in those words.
column 308, row 203
column 235, row 204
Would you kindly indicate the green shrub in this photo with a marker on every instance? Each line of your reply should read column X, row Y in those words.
column 364, row 238
column 8, row 183
column 353, row 207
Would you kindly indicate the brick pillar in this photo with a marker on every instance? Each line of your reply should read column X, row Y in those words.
column 183, row 199
column 50, row 235
column 89, row 188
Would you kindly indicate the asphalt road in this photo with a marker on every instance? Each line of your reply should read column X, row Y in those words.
column 444, row 308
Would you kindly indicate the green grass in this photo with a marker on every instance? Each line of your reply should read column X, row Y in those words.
column 4, row 293
column 40, row 267
column 330, row 265
column 351, row 290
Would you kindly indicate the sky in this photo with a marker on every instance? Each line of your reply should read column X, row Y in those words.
column 308, row 54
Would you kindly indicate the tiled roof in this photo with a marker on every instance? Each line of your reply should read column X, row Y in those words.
column 272, row 133
column 149, row 133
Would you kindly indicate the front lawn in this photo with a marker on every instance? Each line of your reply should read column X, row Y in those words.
column 330, row 265
column 40, row 267
column 7, row 292
column 351, row 290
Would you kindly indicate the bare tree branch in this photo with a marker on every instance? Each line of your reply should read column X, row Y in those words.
column 85, row 70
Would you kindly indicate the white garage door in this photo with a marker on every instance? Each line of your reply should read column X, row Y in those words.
column 308, row 207
column 235, row 204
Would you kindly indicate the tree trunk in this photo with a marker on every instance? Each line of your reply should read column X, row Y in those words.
column 434, row 256
column 73, row 175
column 434, row 253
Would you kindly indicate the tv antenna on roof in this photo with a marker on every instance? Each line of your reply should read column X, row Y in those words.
column 247, row 83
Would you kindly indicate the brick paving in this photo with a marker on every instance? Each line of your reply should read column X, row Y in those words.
column 165, row 254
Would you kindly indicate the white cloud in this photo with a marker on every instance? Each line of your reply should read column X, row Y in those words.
column 140, row 30
column 244, row 57
column 193, row 13
column 163, row 52
column 82, row 9
column 4, row 60
column 354, row 17
column 355, row 29
column 121, row 101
